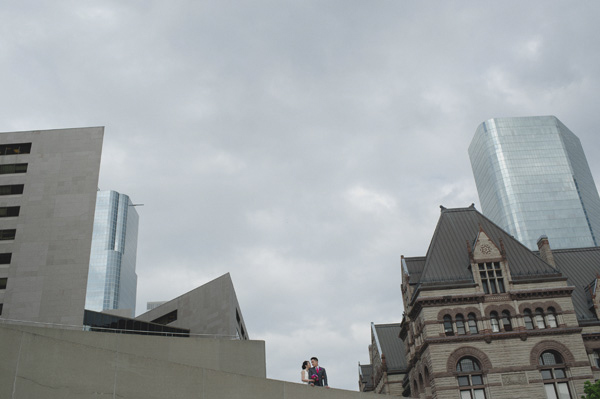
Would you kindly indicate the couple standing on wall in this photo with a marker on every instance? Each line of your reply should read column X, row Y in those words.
column 315, row 375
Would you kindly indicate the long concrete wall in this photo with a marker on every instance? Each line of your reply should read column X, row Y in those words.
column 50, row 363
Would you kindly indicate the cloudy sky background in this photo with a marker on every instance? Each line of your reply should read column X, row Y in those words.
column 302, row 146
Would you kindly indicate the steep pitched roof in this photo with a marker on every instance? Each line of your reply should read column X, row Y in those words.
column 581, row 267
column 414, row 267
column 365, row 372
column 447, row 258
column 387, row 336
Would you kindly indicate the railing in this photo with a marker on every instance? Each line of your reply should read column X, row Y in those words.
column 111, row 330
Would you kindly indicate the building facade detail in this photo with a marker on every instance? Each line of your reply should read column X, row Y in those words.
column 492, row 319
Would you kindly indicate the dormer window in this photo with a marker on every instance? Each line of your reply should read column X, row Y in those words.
column 491, row 277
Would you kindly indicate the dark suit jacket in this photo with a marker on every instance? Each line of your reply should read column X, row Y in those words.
column 322, row 374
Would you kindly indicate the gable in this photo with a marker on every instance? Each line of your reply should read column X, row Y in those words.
column 448, row 257
column 485, row 249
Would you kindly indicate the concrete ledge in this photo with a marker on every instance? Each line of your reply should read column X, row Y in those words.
column 50, row 363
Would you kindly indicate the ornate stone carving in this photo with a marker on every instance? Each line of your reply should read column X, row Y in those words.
column 514, row 379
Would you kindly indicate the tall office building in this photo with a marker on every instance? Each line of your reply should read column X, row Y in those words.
column 533, row 179
column 112, row 281
column 48, row 184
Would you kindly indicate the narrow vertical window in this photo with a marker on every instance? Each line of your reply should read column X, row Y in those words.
column 539, row 318
column 528, row 320
column 448, row 325
column 460, row 324
column 473, row 324
column 3, row 282
column 506, row 323
column 494, row 322
column 551, row 318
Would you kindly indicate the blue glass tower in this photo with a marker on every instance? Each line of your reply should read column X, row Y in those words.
column 112, row 281
column 533, row 179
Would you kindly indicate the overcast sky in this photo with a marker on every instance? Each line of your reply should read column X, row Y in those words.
column 302, row 146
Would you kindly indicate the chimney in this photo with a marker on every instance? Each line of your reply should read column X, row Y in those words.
column 545, row 251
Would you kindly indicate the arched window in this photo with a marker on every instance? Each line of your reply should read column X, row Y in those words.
column 551, row 318
column 539, row 318
column 494, row 322
column 506, row 324
column 421, row 386
column 426, row 376
column 554, row 374
column 448, row 325
column 470, row 379
column 528, row 320
column 473, row 324
column 460, row 324
column 415, row 393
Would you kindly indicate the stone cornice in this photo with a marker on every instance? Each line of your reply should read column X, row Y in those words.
column 444, row 300
column 480, row 297
column 546, row 292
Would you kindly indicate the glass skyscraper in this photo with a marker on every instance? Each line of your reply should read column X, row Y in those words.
column 112, row 281
column 533, row 179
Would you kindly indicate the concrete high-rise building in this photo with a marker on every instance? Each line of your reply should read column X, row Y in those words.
column 48, row 184
column 112, row 281
column 533, row 179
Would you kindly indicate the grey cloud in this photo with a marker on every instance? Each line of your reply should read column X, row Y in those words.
column 303, row 146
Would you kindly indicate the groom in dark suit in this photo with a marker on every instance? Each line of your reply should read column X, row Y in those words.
column 319, row 372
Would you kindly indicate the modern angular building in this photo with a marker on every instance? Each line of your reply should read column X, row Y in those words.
column 533, row 179
column 112, row 281
column 48, row 184
column 210, row 310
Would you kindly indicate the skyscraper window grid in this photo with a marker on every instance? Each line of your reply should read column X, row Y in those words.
column 112, row 280
column 533, row 179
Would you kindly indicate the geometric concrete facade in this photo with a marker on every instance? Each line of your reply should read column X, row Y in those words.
column 112, row 281
column 51, row 363
column 533, row 179
column 48, row 184
column 210, row 309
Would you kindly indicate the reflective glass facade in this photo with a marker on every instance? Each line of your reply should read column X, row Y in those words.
column 112, row 281
column 533, row 179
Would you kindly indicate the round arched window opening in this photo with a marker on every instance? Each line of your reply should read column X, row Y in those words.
column 470, row 378
column 554, row 374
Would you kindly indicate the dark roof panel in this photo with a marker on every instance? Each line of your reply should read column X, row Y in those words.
column 366, row 370
column 580, row 266
column 448, row 257
column 392, row 346
column 415, row 267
